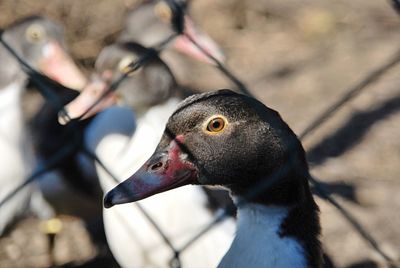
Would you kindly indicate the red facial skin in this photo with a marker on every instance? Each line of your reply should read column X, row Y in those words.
column 176, row 165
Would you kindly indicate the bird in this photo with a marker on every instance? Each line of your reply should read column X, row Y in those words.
column 152, row 22
column 39, row 42
column 123, row 141
column 233, row 140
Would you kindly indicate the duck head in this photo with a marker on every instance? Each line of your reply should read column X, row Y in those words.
column 149, row 85
column 39, row 41
column 221, row 138
column 154, row 21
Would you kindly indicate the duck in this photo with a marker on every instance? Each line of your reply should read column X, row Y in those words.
column 233, row 140
column 154, row 21
column 39, row 42
column 123, row 140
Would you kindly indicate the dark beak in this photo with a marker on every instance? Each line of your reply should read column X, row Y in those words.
column 165, row 170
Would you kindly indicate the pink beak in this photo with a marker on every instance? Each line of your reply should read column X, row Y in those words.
column 57, row 65
column 88, row 103
column 184, row 45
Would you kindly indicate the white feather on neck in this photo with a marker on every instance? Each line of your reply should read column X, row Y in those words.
column 257, row 242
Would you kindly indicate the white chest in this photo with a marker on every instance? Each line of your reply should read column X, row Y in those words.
column 258, row 244
column 16, row 154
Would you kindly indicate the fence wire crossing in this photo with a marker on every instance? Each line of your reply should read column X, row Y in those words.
column 177, row 22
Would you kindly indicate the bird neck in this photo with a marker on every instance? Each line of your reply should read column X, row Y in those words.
column 258, row 242
column 285, row 213
column 159, row 104
column 262, row 239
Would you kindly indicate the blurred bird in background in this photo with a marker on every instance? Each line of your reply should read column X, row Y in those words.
column 39, row 42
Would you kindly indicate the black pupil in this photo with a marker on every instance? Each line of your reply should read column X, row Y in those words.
column 216, row 125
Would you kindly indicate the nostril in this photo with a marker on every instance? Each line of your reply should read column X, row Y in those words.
column 156, row 166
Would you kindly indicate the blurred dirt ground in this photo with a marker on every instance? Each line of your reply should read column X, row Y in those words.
column 298, row 57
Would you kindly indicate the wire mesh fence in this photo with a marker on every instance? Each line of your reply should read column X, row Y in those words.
column 177, row 21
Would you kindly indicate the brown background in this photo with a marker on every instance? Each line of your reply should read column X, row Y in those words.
column 297, row 56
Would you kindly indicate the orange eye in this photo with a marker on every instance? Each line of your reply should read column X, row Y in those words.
column 215, row 125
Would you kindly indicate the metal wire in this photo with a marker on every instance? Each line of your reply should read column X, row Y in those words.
column 221, row 67
column 177, row 23
column 359, row 228
column 351, row 94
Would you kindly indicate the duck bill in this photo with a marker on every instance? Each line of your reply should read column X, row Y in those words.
column 60, row 67
column 185, row 45
column 162, row 172
column 93, row 99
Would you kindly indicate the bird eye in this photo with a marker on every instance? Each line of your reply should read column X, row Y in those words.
column 124, row 65
column 216, row 124
column 163, row 11
column 35, row 33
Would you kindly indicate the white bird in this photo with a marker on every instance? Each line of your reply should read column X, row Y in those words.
column 38, row 41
